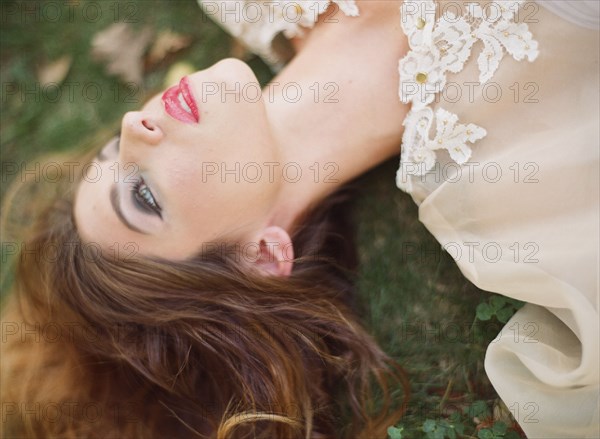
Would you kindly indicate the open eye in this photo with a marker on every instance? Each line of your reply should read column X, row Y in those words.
column 144, row 198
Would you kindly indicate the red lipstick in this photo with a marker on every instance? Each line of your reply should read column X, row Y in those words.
column 180, row 103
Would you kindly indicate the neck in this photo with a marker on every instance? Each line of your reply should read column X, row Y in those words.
column 348, row 117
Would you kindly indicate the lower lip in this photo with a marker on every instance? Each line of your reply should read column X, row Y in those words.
column 173, row 106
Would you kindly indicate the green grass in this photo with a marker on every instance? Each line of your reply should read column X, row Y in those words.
column 417, row 304
column 420, row 307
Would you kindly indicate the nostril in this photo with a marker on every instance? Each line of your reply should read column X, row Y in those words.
column 148, row 125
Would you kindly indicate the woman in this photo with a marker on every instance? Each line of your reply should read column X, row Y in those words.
column 195, row 299
column 262, row 218
column 499, row 149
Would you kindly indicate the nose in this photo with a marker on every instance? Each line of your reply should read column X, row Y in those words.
column 139, row 128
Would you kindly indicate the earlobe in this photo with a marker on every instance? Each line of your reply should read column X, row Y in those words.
column 275, row 252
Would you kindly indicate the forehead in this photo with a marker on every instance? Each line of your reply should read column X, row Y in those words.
column 96, row 223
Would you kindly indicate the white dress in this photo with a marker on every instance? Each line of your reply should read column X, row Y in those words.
column 501, row 153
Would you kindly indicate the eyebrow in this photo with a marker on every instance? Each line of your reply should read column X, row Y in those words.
column 100, row 156
column 114, row 201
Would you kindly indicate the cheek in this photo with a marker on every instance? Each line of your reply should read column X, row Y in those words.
column 211, row 197
column 190, row 186
column 206, row 212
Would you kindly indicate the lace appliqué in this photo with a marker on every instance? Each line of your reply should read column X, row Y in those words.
column 439, row 47
column 257, row 23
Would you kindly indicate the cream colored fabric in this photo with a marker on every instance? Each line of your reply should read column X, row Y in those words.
column 531, row 231
column 521, row 219
column 581, row 12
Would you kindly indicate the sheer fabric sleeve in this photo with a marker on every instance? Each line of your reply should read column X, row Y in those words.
column 584, row 13
column 517, row 205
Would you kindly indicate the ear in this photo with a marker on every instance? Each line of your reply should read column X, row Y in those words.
column 275, row 253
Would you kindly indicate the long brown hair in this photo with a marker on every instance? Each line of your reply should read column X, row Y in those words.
column 98, row 346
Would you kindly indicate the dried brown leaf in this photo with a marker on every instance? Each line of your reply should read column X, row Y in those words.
column 176, row 72
column 167, row 42
column 122, row 50
column 54, row 72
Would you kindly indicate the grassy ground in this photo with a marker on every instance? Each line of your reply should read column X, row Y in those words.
column 417, row 304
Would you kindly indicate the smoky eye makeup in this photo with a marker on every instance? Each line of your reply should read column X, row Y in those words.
column 143, row 198
column 110, row 149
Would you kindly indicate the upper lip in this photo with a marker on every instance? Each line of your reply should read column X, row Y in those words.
column 177, row 98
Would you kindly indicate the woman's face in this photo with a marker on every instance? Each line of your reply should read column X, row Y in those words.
column 182, row 175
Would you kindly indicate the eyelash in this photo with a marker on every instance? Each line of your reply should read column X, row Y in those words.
column 142, row 194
